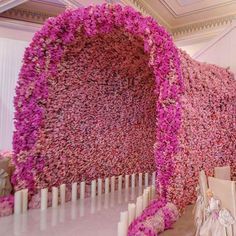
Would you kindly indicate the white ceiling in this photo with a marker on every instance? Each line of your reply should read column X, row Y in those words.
column 178, row 16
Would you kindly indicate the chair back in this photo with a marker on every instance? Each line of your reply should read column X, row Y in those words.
column 225, row 191
column 203, row 186
column 222, row 172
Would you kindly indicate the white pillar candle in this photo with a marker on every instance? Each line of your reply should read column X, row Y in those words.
column 140, row 180
column 93, row 189
column 154, row 178
column 153, row 191
column 133, row 181
column 99, row 187
column 113, row 180
column 107, row 186
column 126, row 181
column 124, row 217
column 120, row 183
column 148, row 194
column 44, row 199
column 62, row 194
column 54, row 197
column 145, row 199
column 139, row 206
column 146, row 180
column 131, row 212
column 17, row 202
column 74, row 192
column 82, row 190
column 121, row 229
column 24, row 200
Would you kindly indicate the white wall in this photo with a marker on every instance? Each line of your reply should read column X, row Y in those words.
column 11, row 54
column 222, row 50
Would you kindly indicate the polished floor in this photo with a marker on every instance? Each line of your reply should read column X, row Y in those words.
column 88, row 217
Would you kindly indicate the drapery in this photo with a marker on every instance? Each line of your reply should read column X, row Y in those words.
column 11, row 54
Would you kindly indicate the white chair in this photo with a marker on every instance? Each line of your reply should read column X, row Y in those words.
column 201, row 202
column 225, row 191
column 203, row 186
column 222, row 172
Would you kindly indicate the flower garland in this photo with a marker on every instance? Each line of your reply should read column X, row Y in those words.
column 157, row 217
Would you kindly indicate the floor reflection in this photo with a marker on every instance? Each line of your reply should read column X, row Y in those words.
column 101, row 212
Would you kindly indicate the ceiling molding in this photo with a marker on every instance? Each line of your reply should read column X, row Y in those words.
column 209, row 25
column 71, row 3
column 26, row 15
column 146, row 10
column 8, row 4
column 172, row 6
column 19, row 25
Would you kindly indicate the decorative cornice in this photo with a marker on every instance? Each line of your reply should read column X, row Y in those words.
column 202, row 26
column 145, row 9
column 26, row 15
column 6, row 4
column 176, row 14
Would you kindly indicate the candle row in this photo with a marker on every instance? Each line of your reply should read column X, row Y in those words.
column 21, row 201
column 21, row 197
column 135, row 210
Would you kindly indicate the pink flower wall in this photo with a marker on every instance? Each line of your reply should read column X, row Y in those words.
column 100, row 114
column 95, row 97
column 208, row 130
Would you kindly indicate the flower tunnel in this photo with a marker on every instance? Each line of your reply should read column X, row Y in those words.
column 103, row 91
column 97, row 90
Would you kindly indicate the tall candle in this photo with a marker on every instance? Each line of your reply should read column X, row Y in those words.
column 140, row 180
column 74, row 192
column 133, row 181
column 145, row 199
column 107, row 190
column 131, row 212
column 120, row 183
column 139, row 206
column 82, row 190
column 121, row 229
column 154, row 178
column 54, row 197
column 113, row 179
column 62, row 194
column 24, row 200
column 126, row 181
column 17, row 202
column 99, row 187
column 146, row 180
column 93, row 189
column 124, row 217
column 153, row 191
column 44, row 199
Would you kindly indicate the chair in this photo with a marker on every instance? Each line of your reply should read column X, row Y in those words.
column 203, row 186
column 225, row 191
column 222, row 172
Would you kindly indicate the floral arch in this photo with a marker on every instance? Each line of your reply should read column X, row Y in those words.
column 41, row 67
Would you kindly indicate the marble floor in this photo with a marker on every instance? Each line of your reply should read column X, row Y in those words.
column 88, row 217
